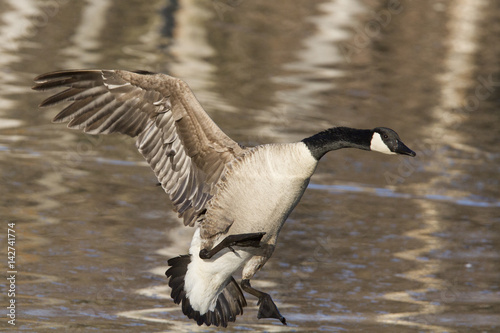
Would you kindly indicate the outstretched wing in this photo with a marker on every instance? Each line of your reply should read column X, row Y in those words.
column 185, row 148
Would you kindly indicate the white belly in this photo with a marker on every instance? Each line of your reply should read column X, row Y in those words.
column 261, row 190
column 205, row 279
column 257, row 195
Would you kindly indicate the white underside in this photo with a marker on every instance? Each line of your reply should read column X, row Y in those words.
column 262, row 189
column 257, row 196
column 377, row 144
column 205, row 279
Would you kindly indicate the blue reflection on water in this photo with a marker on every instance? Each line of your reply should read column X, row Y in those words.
column 386, row 192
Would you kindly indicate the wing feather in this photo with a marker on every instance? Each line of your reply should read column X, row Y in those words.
column 184, row 147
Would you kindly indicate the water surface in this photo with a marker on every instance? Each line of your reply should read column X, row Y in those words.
column 377, row 244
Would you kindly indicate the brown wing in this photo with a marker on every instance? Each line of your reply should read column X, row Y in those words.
column 183, row 146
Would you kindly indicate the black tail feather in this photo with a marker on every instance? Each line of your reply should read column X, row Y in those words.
column 230, row 302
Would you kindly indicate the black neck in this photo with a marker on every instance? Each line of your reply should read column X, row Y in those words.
column 337, row 138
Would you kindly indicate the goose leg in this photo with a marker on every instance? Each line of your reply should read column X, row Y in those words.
column 246, row 240
column 267, row 307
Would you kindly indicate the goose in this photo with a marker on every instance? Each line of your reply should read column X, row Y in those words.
column 237, row 197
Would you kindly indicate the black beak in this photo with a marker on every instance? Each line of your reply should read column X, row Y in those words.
column 403, row 150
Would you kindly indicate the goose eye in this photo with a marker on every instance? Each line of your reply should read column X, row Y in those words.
column 385, row 136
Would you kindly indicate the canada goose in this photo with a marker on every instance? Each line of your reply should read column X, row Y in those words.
column 237, row 197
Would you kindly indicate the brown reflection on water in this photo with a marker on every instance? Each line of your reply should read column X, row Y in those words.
column 85, row 39
column 378, row 244
column 424, row 274
column 462, row 24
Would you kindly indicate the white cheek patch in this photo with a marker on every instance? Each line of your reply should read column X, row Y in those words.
column 378, row 145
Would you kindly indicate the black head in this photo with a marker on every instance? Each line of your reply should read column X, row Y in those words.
column 385, row 140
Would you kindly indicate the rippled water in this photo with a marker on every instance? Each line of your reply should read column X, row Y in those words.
column 377, row 244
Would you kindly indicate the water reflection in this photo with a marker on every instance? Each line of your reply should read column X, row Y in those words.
column 424, row 275
column 387, row 192
column 376, row 244
column 86, row 37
